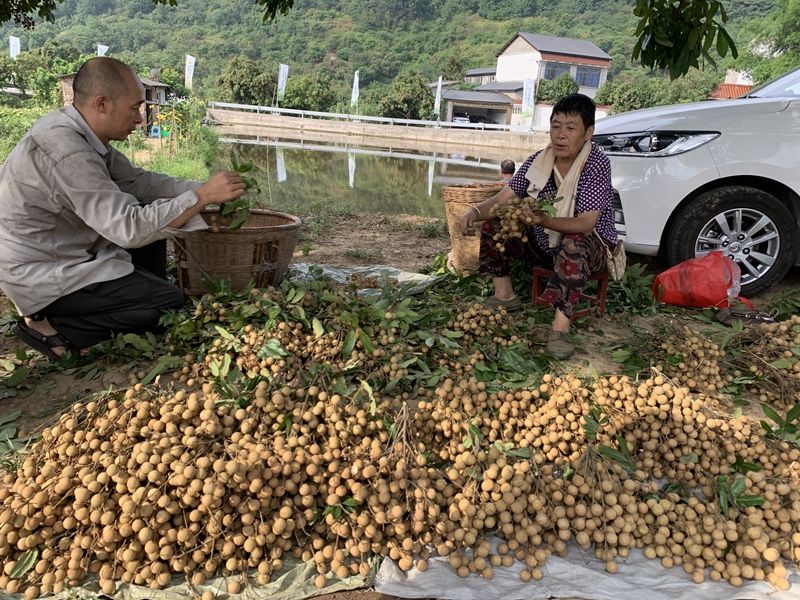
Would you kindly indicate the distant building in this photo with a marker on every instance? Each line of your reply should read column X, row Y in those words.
column 155, row 94
column 534, row 57
column 481, row 75
column 728, row 91
column 530, row 56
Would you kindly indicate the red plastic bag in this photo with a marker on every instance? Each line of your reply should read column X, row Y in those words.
column 713, row 280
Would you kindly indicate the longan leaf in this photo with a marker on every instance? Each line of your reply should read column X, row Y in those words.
column 365, row 341
column 793, row 414
column 738, row 487
column 520, row 452
column 272, row 349
column 164, row 363
column 319, row 330
column 9, row 417
column 349, row 343
column 749, row 500
column 783, row 363
column 240, row 219
column 24, row 563
column 770, row 412
column 621, row 356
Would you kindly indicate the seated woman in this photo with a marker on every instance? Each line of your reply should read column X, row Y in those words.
column 571, row 243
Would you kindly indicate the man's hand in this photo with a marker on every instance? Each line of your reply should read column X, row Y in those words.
column 220, row 187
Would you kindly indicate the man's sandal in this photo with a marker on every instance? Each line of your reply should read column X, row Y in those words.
column 40, row 342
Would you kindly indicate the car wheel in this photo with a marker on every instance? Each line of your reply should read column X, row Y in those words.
column 754, row 228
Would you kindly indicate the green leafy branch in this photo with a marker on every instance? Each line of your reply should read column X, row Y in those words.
column 732, row 493
column 239, row 209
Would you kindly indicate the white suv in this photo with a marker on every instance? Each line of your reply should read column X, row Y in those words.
column 714, row 175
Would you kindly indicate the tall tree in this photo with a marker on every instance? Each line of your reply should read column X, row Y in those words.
column 554, row 89
column 312, row 91
column 244, row 81
column 408, row 97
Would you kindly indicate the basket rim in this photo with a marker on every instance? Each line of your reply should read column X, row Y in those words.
column 294, row 223
column 462, row 186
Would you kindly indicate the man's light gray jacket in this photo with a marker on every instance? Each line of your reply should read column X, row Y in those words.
column 69, row 205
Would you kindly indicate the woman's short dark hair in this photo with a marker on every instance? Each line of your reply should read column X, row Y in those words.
column 507, row 167
column 576, row 104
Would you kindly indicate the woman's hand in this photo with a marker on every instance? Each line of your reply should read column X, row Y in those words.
column 468, row 219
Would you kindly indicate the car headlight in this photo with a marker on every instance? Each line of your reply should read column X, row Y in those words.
column 653, row 143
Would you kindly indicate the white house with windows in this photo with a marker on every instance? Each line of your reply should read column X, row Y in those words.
column 536, row 57
column 531, row 56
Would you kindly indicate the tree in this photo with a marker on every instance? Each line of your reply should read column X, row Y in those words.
column 24, row 12
column 313, row 91
column 672, row 34
column 643, row 91
column 552, row 90
column 244, row 81
column 408, row 97
column 677, row 34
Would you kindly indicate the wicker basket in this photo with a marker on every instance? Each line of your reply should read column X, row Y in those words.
column 259, row 252
column 457, row 200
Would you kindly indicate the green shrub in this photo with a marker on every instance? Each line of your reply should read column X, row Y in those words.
column 14, row 124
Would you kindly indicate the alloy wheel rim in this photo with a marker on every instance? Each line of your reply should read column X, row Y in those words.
column 747, row 236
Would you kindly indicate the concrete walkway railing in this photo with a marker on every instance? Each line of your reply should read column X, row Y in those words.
column 360, row 118
column 462, row 138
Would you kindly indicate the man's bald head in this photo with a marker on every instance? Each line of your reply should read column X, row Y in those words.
column 104, row 76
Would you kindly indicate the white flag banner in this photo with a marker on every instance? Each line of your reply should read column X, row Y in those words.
column 101, row 49
column 188, row 73
column 283, row 75
column 13, row 46
column 281, row 165
column 351, row 168
column 354, row 95
column 528, row 104
column 431, row 168
column 437, row 102
column 528, row 95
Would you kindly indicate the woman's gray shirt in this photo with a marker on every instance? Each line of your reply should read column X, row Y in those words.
column 69, row 206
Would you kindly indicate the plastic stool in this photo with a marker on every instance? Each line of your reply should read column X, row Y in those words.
column 597, row 302
column 155, row 131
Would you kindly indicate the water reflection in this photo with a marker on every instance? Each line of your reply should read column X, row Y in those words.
column 296, row 176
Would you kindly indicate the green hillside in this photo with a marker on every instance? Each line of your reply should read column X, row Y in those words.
column 379, row 37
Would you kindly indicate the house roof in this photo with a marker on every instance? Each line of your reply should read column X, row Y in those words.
column 473, row 96
column 501, row 86
column 727, row 91
column 481, row 71
column 145, row 81
column 152, row 82
column 559, row 45
column 445, row 83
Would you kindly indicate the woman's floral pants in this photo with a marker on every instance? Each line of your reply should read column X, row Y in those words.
column 575, row 258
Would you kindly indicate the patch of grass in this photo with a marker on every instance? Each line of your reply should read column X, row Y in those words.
column 363, row 254
column 434, row 229
column 178, row 165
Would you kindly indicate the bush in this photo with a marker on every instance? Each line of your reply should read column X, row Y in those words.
column 14, row 124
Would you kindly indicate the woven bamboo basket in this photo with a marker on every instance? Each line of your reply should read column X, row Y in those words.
column 457, row 200
column 258, row 253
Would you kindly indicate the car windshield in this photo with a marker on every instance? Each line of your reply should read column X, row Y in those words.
column 785, row 86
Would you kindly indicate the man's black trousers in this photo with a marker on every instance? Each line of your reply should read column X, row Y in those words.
column 130, row 304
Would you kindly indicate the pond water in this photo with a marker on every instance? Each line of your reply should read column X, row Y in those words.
column 301, row 178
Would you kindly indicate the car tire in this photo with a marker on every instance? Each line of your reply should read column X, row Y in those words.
column 725, row 219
